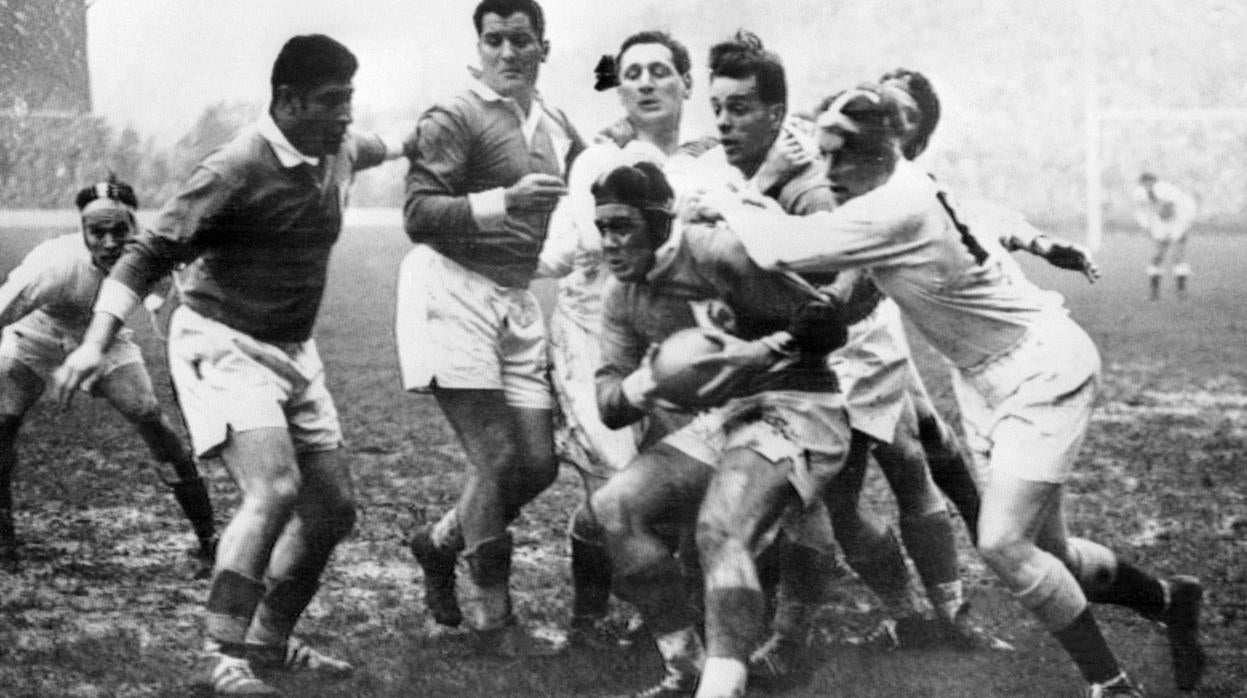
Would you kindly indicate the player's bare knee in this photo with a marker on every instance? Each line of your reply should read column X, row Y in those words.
column 1003, row 549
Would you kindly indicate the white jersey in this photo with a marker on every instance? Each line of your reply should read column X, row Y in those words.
column 57, row 281
column 971, row 311
column 1165, row 213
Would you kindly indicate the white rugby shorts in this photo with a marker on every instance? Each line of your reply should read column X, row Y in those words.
column 873, row 369
column 809, row 432
column 229, row 381
column 41, row 344
column 1026, row 412
column 455, row 328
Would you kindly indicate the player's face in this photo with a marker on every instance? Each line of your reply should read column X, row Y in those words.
column 319, row 118
column 747, row 126
column 627, row 245
column 511, row 54
column 650, row 87
column 106, row 233
column 854, row 166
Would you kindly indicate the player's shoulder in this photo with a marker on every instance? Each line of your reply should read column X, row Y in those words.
column 58, row 252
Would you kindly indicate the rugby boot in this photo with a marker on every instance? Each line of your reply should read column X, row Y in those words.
column 671, row 686
column 438, row 566
column 1120, row 687
column 229, row 675
column 487, row 600
column 1181, row 619
column 780, row 663
column 297, row 655
column 962, row 633
column 203, row 558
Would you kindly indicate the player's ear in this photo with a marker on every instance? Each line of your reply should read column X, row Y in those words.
column 545, row 50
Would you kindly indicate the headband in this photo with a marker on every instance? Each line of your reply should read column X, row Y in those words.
column 105, row 204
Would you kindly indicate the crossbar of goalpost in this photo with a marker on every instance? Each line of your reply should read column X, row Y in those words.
column 1097, row 117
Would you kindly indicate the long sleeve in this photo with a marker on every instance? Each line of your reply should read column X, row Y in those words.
column 179, row 233
column 22, row 292
column 622, row 351
column 437, row 204
column 873, row 229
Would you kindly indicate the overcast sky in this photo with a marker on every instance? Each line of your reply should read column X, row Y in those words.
column 156, row 64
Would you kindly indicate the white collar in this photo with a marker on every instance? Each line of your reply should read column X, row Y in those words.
column 529, row 121
column 287, row 154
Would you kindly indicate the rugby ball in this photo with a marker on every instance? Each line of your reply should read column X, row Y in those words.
column 676, row 378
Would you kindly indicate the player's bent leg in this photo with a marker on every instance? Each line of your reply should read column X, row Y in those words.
column 1155, row 269
column 482, row 421
column 661, row 488
column 9, row 426
column 742, row 507
column 324, row 514
column 20, row 387
column 926, row 527
column 535, row 467
column 129, row 390
column 870, row 548
column 1014, row 511
column 1181, row 270
column 1174, row 602
column 947, row 457
column 591, row 582
column 263, row 464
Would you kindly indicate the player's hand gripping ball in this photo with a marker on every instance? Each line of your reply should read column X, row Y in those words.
column 677, row 375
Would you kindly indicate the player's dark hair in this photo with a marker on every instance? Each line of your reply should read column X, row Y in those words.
column 643, row 186
column 679, row 53
column 506, row 8
column 1148, row 178
column 923, row 94
column 111, row 188
column 743, row 56
column 309, row 60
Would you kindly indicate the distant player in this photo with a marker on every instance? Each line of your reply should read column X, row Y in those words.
column 1166, row 213
column 45, row 306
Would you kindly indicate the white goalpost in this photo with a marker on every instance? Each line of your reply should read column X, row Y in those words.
column 1096, row 118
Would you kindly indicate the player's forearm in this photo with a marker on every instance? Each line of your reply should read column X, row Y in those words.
column 103, row 328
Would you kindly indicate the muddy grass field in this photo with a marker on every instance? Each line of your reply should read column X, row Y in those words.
column 104, row 605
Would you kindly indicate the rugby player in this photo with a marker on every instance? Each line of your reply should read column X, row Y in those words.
column 651, row 74
column 749, row 98
column 487, row 169
column 1166, row 213
column 1025, row 376
column 254, row 224
column 45, row 306
column 666, row 278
